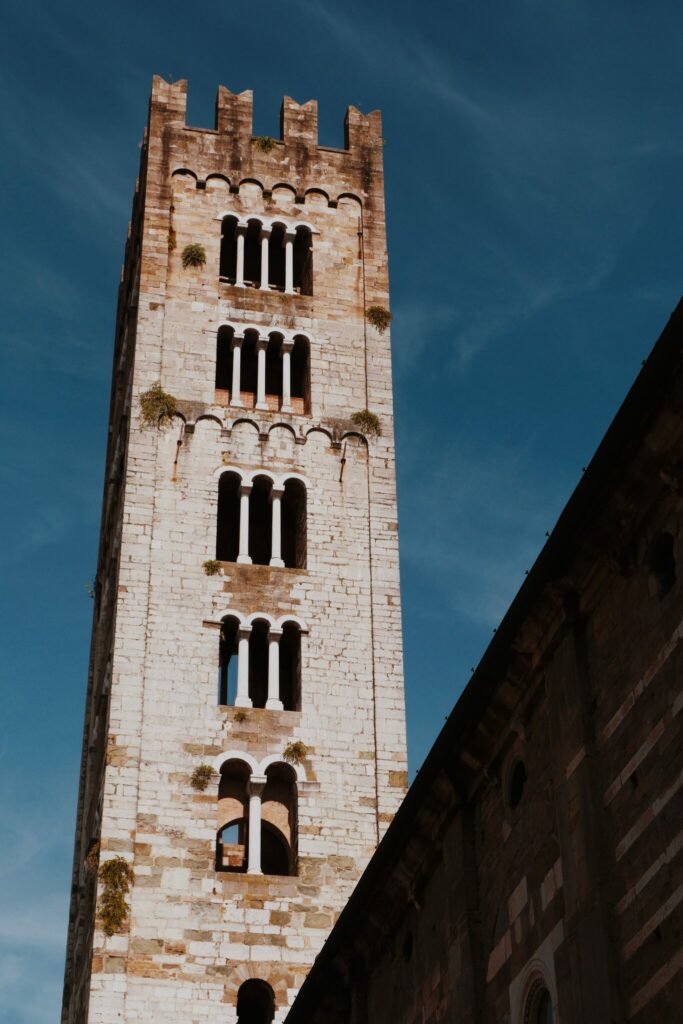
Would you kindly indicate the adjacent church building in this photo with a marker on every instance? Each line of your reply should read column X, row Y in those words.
column 245, row 849
column 534, row 872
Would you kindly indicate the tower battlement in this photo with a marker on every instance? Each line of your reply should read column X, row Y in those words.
column 298, row 142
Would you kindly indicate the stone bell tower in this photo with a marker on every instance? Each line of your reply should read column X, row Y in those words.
column 244, row 744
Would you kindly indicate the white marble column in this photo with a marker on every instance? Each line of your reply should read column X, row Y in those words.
column 236, row 388
column 242, row 698
column 265, row 237
column 288, row 242
column 255, row 788
column 243, row 556
column 275, row 499
column 274, row 703
column 240, row 232
column 286, row 352
column 261, row 346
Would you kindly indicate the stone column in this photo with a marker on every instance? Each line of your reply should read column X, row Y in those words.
column 274, row 703
column 240, row 231
column 243, row 556
column 236, row 388
column 286, row 352
column 265, row 236
column 254, row 789
column 261, row 346
column 288, row 242
column 242, row 698
column 276, row 526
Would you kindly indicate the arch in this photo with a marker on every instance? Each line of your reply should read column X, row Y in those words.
column 317, row 192
column 259, row 616
column 283, row 425
column 299, row 623
column 255, row 1002
column 283, row 186
column 354, row 433
column 351, row 197
column 219, row 179
column 230, row 613
column 258, row 659
column 210, row 417
column 227, row 658
column 251, row 181
column 321, row 430
column 276, row 853
column 246, row 420
column 296, row 770
column 238, row 756
column 183, row 172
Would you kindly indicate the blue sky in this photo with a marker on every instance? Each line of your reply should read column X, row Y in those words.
column 533, row 164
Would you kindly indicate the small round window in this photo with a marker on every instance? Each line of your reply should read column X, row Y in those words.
column 516, row 784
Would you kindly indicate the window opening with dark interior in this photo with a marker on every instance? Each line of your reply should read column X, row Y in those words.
column 516, row 785
column 663, row 563
column 227, row 661
column 227, row 532
column 303, row 262
column 274, row 371
column 260, row 521
column 255, row 1002
column 232, row 836
column 252, row 254
column 294, row 525
column 224, row 359
column 290, row 667
column 279, row 821
column 539, row 1007
column 258, row 663
column 300, row 375
column 276, row 258
column 228, row 258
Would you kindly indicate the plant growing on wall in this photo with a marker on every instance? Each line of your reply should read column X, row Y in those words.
column 172, row 242
column 379, row 317
column 157, row 406
column 367, row 422
column 194, row 255
column 92, row 857
column 295, row 752
column 264, row 143
column 240, row 716
column 116, row 876
column 211, row 567
column 201, row 777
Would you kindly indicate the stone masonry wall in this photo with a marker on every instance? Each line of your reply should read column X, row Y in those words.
column 194, row 934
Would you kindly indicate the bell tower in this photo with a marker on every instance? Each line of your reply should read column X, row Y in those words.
column 244, row 740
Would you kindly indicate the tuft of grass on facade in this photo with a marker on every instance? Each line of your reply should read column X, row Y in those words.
column 116, row 876
column 194, row 255
column 379, row 317
column 92, row 857
column 367, row 422
column 201, row 777
column 264, row 143
column 157, row 406
column 172, row 241
column 295, row 752
column 212, row 568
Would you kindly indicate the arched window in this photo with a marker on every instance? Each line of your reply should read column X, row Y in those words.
column 290, row 667
column 232, row 836
column 300, row 375
column 255, row 1002
column 278, row 821
column 538, row 1008
column 294, row 524
column 273, row 384
column 276, row 258
column 249, row 370
column 258, row 663
column 227, row 532
column 227, row 661
column 228, row 249
column 224, row 361
column 303, row 261
column 252, row 254
column 260, row 521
